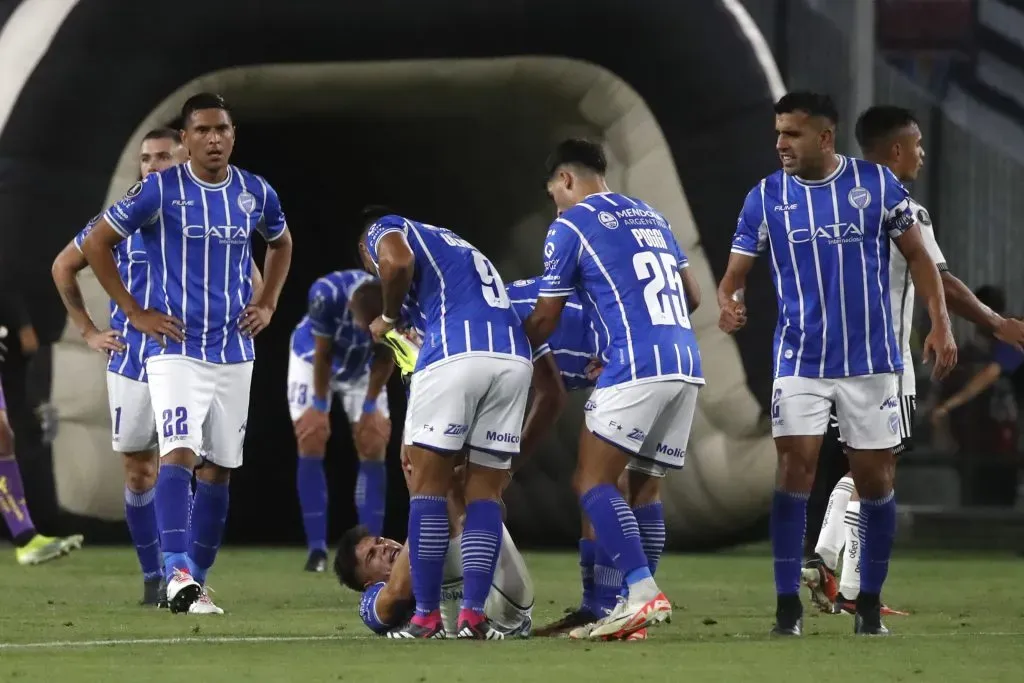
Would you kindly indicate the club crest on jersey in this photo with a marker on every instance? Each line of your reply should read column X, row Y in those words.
column 859, row 198
column 246, row 202
column 608, row 220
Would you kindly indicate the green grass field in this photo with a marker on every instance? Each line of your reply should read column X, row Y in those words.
column 76, row 620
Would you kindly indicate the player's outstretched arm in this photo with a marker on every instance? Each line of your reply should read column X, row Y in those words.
column 394, row 597
column 925, row 273
column 961, row 301
column 276, row 264
column 544, row 319
column 733, row 314
column 65, row 269
column 98, row 251
column 549, row 398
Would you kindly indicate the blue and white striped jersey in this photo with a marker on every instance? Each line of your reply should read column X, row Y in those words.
column 620, row 256
column 130, row 257
column 459, row 291
column 574, row 342
column 328, row 315
column 198, row 243
column 829, row 246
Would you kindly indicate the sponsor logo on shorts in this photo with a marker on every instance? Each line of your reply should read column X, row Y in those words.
column 894, row 423
column 891, row 402
column 665, row 449
column 615, row 425
column 454, row 429
column 588, row 406
column 503, row 437
column 777, row 420
column 428, row 428
column 636, row 434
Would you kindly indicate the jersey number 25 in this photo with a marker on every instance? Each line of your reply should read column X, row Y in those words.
column 492, row 287
column 663, row 294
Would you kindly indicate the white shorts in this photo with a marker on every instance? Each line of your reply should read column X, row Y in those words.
column 867, row 407
column 470, row 401
column 352, row 393
column 650, row 420
column 200, row 406
column 132, row 427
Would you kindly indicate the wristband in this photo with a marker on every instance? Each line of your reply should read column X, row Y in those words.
column 321, row 404
column 370, row 405
column 388, row 320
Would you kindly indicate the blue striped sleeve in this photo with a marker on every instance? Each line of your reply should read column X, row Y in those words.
column 751, row 236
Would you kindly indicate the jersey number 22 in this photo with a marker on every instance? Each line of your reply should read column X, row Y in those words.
column 664, row 291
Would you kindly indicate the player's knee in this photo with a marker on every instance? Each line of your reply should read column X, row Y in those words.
column 313, row 446
column 212, row 473
column 140, row 471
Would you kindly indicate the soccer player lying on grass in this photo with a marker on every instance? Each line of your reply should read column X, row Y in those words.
column 379, row 567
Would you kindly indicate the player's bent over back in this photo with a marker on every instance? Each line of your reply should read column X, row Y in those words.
column 196, row 222
column 468, row 392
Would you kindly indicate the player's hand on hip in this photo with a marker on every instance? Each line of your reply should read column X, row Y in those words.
column 593, row 369
column 255, row 319
column 312, row 422
column 158, row 325
column 107, row 341
column 940, row 348
column 732, row 317
column 378, row 328
column 1011, row 331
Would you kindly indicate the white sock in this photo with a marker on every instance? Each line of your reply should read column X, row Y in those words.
column 833, row 536
column 643, row 590
column 849, row 580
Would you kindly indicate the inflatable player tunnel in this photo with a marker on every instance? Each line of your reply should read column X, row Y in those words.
column 444, row 109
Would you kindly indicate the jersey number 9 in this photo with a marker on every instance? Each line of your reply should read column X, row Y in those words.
column 493, row 288
column 664, row 293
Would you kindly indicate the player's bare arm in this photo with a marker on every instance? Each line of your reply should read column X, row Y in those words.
column 549, row 398
column 733, row 314
column 939, row 343
column 544, row 319
column 97, row 249
column 961, row 301
column 257, row 315
column 65, row 269
column 314, row 425
column 257, row 281
column 396, row 265
column 373, row 430
column 975, row 386
column 691, row 289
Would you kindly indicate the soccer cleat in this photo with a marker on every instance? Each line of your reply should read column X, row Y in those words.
column 316, row 562
column 404, row 351
column 869, row 624
column 789, row 614
column 582, row 632
column 637, row 635
column 821, row 581
column 572, row 619
column 204, row 605
column 844, row 605
column 629, row 616
column 45, row 548
column 476, row 626
column 182, row 591
column 432, row 631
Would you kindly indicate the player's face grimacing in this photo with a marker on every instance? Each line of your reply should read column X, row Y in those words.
column 803, row 143
column 906, row 154
column 210, row 138
column 159, row 154
column 375, row 556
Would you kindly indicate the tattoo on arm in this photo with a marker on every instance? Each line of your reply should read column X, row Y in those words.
column 73, row 297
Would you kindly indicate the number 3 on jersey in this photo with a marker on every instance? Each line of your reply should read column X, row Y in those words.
column 493, row 288
column 664, row 293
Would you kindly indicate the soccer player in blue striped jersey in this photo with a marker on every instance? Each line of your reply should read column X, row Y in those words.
column 332, row 353
column 468, row 392
column 642, row 408
column 196, row 222
column 131, row 412
column 826, row 221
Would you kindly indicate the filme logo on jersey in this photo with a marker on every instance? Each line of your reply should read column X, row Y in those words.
column 458, row 430
column 608, row 220
column 183, row 202
column 832, row 233
column 787, row 207
column 225, row 234
column 246, row 202
column 503, row 437
column 859, row 198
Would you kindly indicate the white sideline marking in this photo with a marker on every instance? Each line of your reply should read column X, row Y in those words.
column 51, row 644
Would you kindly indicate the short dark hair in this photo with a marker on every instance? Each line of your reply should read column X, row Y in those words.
column 811, row 103
column 163, row 133
column 577, row 152
column 993, row 297
column 200, row 101
column 373, row 213
column 345, row 562
column 879, row 122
